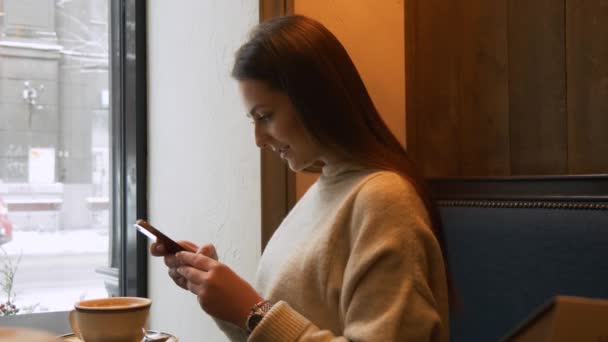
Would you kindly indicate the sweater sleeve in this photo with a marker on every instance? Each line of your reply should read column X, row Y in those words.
column 388, row 279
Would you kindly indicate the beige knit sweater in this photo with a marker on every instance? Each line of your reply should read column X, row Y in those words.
column 355, row 260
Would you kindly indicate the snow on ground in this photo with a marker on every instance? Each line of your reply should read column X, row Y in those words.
column 44, row 280
column 57, row 243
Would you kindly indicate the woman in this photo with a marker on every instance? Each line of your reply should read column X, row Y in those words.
column 359, row 257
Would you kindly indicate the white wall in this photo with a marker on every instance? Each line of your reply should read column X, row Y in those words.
column 204, row 174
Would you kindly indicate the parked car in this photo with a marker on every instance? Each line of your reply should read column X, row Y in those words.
column 6, row 227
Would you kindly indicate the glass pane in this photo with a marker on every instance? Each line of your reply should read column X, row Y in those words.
column 54, row 153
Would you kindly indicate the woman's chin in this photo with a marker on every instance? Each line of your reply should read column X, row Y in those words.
column 300, row 167
column 294, row 167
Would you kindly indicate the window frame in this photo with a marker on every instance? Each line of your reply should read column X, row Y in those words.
column 129, row 157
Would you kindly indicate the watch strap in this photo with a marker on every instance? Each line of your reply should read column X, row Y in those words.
column 257, row 313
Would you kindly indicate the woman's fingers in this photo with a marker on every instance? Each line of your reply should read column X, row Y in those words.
column 194, row 270
column 208, row 250
column 171, row 261
column 173, row 273
column 219, row 291
column 189, row 246
column 158, row 249
column 178, row 279
column 204, row 284
column 197, row 260
column 194, row 279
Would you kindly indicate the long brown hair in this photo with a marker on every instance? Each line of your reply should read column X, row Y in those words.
column 301, row 57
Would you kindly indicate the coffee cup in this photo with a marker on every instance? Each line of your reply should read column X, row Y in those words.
column 111, row 319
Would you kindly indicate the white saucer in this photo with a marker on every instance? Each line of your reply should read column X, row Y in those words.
column 151, row 335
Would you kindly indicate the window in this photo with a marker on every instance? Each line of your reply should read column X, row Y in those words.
column 72, row 155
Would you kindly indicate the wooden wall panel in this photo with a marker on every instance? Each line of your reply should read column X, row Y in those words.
column 483, row 99
column 457, row 87
column 432, row 129
column 587, row 61
column 507, row 87
column 277, row 180
column 412, row 93
column 537, row 89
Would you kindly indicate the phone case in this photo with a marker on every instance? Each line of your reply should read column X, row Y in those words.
column 151, row 232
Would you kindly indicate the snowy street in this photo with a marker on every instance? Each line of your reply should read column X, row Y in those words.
column 57, row 243
column 57, row 268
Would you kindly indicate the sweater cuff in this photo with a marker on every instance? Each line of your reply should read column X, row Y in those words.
column 281, row 323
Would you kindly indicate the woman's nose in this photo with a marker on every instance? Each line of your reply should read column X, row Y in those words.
column 261, row 137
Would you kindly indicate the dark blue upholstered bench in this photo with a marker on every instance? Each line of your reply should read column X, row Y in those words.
column 506, row 262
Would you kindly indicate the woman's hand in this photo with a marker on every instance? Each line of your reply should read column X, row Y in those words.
column 159, row 250
column 220, row 291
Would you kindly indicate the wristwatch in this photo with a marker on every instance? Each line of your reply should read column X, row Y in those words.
column 257, row 313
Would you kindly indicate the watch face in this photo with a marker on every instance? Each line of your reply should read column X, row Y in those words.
column 253, row 321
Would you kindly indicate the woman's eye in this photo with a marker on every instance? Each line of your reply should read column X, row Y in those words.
column 263, row 117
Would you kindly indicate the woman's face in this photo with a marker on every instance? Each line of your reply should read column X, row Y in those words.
column 277, row 126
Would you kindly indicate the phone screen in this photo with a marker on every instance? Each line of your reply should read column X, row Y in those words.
column 143, row 230
column 157, row 236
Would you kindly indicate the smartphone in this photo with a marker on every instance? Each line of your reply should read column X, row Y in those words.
column 157, row 236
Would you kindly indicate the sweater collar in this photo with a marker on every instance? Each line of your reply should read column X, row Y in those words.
column 338, row 168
